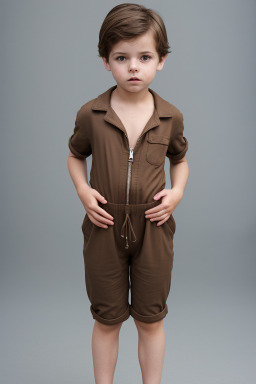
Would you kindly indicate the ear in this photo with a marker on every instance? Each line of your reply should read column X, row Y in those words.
column 161, row 63
column 106, row 64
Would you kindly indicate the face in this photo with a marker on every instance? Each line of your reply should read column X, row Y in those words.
column 134, row 58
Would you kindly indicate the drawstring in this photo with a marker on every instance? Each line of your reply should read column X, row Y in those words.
column 127, row 227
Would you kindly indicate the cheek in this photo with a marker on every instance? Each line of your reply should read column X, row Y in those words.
column 149, row 74
column 118, row 71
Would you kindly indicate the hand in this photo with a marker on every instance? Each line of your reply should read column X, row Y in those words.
column 170, row 199
column 89, row 198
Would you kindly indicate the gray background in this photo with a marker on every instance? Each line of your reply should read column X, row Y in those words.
column 50, row 68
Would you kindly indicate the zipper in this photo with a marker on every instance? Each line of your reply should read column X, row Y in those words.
column 136, row 141
column 129, row 171
column 129, row 174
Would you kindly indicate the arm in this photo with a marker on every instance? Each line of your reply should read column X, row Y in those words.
column 179, row 172
column 178, row 162
column 80, row 146
column 78, row 172
column 88, row 196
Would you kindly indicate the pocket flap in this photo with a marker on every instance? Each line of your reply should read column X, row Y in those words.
column 156, row 139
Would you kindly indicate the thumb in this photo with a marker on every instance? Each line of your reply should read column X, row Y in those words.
column 100, row 198
column 159, row 195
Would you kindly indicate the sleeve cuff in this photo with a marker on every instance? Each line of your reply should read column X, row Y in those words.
column 181, row 154
column 74, row 151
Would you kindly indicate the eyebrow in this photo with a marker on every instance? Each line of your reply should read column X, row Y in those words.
column 124, row 53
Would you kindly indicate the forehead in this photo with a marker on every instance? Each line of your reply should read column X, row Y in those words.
column 145, row 42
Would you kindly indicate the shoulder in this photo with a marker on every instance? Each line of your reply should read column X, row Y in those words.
column 85, row 109
column 177, row 120
column 174, row 110
column 177, row 115
column 166, row 108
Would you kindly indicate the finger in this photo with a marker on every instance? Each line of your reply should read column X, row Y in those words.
column 153, row 210
column 99, row 224
column 160, row 219
column 103, row 213
column 101, row 220
column 156, row 213
column 161, row 222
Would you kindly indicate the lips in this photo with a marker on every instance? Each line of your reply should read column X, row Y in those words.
column 134, row 79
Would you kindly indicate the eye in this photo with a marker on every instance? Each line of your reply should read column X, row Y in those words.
column 119, row 58
column 146, row 56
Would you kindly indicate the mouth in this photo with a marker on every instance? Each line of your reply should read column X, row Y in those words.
column 134, row 79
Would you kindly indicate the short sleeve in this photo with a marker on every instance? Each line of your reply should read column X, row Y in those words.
column 80, row 143
column 178, row 145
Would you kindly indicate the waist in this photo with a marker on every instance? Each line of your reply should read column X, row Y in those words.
column 128, row 208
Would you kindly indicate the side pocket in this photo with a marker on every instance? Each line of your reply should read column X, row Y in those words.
column 157, row 148
column 171, row 224
column 87, row 227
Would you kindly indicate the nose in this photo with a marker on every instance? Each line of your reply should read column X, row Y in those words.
column 133, row 66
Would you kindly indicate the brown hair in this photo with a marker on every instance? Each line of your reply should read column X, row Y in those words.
column 127, row 21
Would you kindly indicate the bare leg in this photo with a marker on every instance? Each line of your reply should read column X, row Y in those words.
column 105, row 344
column 151, row 350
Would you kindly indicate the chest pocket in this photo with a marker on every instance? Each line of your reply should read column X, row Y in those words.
column 156, row 148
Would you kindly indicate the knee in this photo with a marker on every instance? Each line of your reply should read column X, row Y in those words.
column 148, row 327
column 108, row 328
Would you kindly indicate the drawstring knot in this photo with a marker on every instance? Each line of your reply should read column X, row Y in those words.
column 128, row 230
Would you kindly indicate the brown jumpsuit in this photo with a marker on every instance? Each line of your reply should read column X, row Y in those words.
column 128, row 179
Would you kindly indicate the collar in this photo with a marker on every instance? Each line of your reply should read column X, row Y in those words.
column 162, row 107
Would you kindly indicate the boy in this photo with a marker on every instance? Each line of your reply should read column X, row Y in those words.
column 129, row 129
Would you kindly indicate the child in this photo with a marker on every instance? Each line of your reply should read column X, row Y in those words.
column 129, row 129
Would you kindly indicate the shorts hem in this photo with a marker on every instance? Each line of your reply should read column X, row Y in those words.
column 116, row 320
column 151, row 318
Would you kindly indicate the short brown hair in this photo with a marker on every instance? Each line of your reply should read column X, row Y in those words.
column 127, row 21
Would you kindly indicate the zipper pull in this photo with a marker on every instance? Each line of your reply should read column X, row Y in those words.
column 131, row 155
